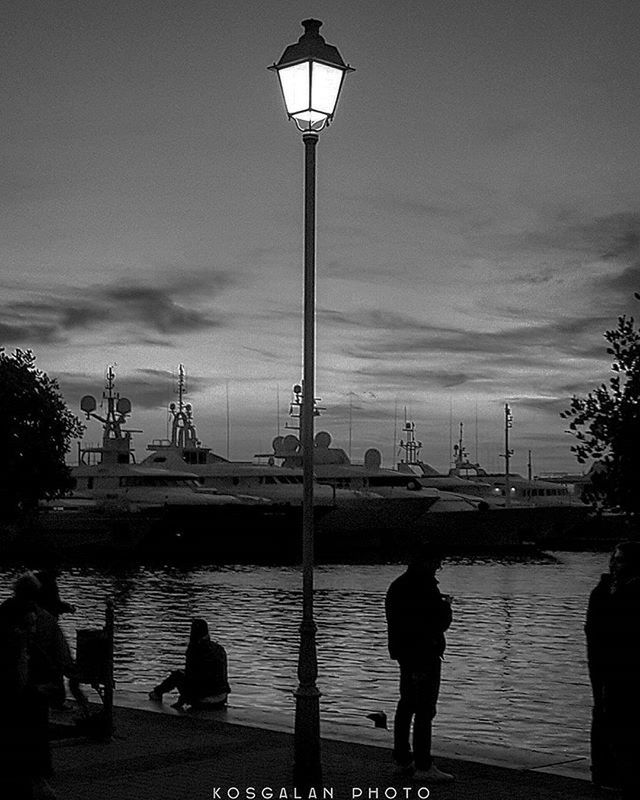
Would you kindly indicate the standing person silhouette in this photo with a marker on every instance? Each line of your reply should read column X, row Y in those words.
column 613, row 653
column 417, row 617
column 26, row 652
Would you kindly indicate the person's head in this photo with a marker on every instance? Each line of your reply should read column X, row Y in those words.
column 625, row 560
column 199, row 629
column 26, row 591
column 426, row 559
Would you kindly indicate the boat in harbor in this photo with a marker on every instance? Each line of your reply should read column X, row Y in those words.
column 510, row 488
column 346, row 510
column 185, row 500
column 184, row 452
column 360, row 509
column 117, row 505
column 108, row 475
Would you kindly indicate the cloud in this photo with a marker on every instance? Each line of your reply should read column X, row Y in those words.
column 152, row 308
column 172, row 306
column 535, row 279
column 22, row 329
column 153, row 388
column 609, row 236
column 395, row 334
column 617, row 235
column 434, row 377
column 269, row 355
column 570, row 239
column 148, row 389
column 549, row 405
column 374, row 318
column 622, row 284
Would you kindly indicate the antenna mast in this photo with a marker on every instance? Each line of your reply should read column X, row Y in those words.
column 451, row 461
column 228, row 427
column 116, row 441
column 508, row 424
column 278, row 408
column 477, row 459
column 411, row 446
column 350, row 421
column 183, row 429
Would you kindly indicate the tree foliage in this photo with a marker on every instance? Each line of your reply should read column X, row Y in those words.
column 606, row 424
column 36, row 429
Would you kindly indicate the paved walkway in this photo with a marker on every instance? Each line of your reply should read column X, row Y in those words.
column 159, row 754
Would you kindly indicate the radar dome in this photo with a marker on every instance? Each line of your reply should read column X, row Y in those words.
column 123, row 406
column 290, row 444
column 372, row 458
column 322, row 440
column 88, row 404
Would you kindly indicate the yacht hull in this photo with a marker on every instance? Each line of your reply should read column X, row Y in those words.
column 369, row 532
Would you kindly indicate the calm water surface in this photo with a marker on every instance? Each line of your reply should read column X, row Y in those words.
column 515, row 671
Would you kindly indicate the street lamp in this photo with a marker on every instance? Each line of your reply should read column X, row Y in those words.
column 311, row 73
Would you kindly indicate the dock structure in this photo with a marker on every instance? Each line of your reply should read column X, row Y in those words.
column 159, row 754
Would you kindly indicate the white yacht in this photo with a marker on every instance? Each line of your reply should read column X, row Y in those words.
column 333, row 467
column 347, row 497
column 280, row 484
column 510, row 489
column 108, row 476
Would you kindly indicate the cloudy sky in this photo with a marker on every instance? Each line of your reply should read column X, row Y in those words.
column 478, row 213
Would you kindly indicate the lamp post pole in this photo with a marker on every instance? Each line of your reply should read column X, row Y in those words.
column 307, row 761
column 311, row 73
column 508, row 422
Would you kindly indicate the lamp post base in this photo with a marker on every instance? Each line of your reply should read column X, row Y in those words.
column 307, row 765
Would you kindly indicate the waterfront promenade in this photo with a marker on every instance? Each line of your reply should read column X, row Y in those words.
column 159, row 754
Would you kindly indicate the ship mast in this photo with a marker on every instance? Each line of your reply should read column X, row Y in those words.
column 116, row 442
column 411, row 447
column 183, row 429
column 295, row 409
column 508, row 424
column 460, row 457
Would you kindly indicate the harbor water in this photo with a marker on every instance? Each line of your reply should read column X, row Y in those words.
column 515, row 669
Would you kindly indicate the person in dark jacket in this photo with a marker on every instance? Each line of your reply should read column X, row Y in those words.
column 49, row 595
column 49, row 601
column 613, row 653
column 417, row 617
column 204, row 680
column 25, row 754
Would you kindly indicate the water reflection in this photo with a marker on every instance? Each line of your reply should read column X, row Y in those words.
column 515, row 669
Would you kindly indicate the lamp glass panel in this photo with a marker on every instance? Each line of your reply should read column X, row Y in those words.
column 310, row 116
column 295, row 86
column 325, row 87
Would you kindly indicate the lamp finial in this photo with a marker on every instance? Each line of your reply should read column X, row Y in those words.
column 311, row 28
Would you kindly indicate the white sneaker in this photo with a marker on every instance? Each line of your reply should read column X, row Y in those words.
column 432, row 775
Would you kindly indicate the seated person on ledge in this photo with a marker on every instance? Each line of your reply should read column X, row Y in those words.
column 203, row 681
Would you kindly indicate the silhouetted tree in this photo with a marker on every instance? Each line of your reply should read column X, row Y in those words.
column 606, row 424
column 36, row 429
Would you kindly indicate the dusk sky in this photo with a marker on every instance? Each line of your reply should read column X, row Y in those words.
column 478, row 213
